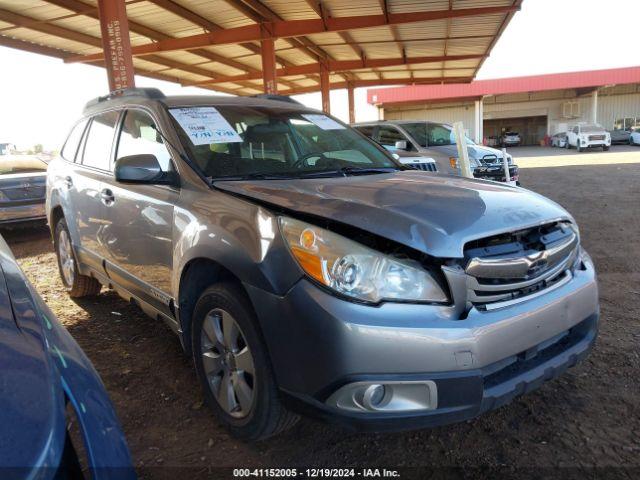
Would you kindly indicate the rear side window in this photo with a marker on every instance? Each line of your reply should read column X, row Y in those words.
column 73, row 140
column 388, row 136
column 366, row 130
column 97, row 148
column 139, row 135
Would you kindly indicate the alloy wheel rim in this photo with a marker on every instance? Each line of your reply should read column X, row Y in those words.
column 228, row 363
column 67, row 262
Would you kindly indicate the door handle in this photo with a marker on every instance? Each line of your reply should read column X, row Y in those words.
column 68, row 181
column 107, row 197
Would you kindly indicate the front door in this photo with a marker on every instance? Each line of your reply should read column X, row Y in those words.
column 139, row 218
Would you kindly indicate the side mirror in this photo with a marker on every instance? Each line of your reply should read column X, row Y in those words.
column 144, row 169
column 402, row 145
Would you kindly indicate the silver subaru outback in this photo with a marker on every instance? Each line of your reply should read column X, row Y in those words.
column 305, row 270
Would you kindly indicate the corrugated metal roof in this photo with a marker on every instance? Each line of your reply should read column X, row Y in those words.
column 499, row 86
column 371, row 30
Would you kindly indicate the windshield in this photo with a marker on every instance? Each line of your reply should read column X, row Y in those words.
column 244, row 142
column 591, row 128
column 21, row 165
column 432, row 134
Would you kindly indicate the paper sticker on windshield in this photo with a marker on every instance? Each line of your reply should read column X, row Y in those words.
column 322, row 121
column 205, row 125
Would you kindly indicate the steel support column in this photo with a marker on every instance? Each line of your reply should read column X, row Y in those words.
column 269, row 66
column 324, row 88
column 594, row 107
column 116, row 44
column 352, row 104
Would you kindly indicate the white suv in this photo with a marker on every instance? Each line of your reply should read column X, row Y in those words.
column 587, row 135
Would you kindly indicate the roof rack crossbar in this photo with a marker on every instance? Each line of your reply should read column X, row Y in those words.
column 279, row 98
column 150, row 93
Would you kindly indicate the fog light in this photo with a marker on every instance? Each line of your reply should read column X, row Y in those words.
column 373, row 396
column 388, row 397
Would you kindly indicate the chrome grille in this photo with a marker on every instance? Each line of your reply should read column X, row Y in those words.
column 596, row 137
column 425, row 167
column 515, row 267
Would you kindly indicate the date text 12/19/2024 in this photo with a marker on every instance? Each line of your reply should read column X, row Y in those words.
column 315, row 473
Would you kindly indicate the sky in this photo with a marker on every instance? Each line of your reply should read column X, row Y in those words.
column 41, row 97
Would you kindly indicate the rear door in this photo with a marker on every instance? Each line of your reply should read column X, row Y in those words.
column 139, row 218
column 92, row 167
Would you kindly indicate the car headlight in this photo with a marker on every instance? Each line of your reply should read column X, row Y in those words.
column 351, row 269
column 575, row 229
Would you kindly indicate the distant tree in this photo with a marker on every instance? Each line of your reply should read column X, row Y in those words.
column 37, row 148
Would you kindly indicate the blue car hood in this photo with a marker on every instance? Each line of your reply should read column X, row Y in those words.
column 31, row 398
column 435, row 214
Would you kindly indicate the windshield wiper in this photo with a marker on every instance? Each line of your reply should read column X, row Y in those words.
column 344, row 171
column 352, row 170
column 251, row 176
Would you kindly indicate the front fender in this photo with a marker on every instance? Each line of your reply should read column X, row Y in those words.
column 246, row 242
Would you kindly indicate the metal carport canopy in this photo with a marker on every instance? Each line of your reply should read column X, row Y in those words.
column 245, row 47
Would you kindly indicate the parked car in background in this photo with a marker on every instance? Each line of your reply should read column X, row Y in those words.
column 559, row 140
column 619, row 136
column 22, row 189
column 510, row 139
column 46, row 384
column 634, row 137
column 586, row 135
column 437, row 141
column 305, row 270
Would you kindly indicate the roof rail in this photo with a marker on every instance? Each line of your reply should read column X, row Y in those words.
column 279, row 98
column 150, row 93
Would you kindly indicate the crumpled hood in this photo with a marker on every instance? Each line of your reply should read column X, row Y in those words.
column 435, row 214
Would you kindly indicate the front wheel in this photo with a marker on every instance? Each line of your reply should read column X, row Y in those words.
column 233, row 366
column 605, row 148
column 75, row 284
column 578, row 147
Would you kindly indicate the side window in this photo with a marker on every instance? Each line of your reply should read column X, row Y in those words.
column 366, row 130
column 575, row 129
column 140, row 136
column 388, row 136
column 70, row 148
column 97, row 148
column 441, row 135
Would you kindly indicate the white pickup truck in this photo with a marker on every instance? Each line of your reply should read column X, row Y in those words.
column 586, row 135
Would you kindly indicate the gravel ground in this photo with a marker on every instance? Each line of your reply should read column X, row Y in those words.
column 590, row 417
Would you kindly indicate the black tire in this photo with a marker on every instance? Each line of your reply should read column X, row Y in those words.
column 605, row 148
column 78, row 285
column 578, row 148
column 266, row 416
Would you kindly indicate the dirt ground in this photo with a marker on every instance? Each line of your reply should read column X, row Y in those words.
column 590, row 417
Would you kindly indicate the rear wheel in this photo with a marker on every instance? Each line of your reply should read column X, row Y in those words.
column 233, row 366
column 75, row 284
